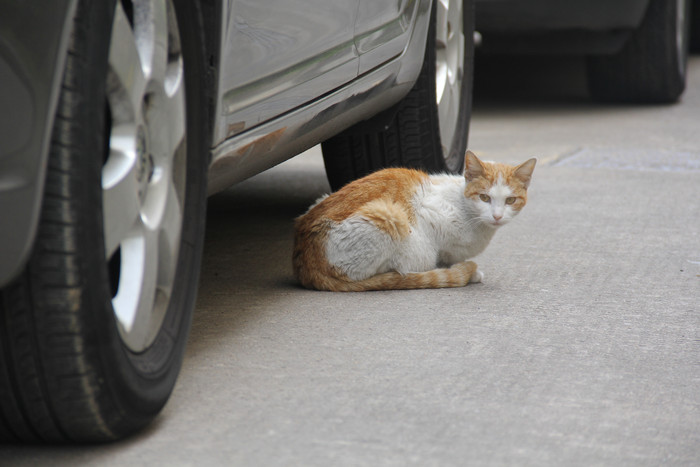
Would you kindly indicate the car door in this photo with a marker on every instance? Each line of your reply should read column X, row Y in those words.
column 382, row 30
column 280, row 54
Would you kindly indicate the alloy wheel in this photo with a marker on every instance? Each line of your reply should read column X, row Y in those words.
column 143, row 177
column 449, row 68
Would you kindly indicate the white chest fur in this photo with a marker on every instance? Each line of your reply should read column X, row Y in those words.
column 450, row 221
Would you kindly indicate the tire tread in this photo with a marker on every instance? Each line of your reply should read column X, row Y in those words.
column 646, row 70
column 41, row 342
column 411, row 139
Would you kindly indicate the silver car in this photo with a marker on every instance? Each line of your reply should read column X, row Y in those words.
column 119, row 117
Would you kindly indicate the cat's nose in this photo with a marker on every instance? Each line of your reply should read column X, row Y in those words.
column 497, row 217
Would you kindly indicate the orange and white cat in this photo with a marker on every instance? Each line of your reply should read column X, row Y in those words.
column 405, row 229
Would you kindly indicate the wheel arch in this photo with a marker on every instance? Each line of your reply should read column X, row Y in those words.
column 211, row 21
column 31, row 85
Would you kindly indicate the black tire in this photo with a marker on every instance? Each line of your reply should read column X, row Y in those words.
column 66, row 374
column 412, row 137
column 695, row 27
column 651, row 68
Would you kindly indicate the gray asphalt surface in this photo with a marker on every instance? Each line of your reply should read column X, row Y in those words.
column 581, row 346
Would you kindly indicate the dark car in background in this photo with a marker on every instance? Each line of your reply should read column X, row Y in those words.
column 119, row 117
column 636, row 50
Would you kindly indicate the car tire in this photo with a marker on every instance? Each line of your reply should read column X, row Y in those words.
column 77, row 365
column 695, row 27
column 651, row 67
column 428, row 129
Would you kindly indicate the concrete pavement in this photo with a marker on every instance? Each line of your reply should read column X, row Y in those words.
column 581, row 347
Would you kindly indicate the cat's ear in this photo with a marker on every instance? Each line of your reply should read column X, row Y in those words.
column 523, row 172
column 473, row 168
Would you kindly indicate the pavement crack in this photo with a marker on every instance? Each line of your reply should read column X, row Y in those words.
column 557, row 158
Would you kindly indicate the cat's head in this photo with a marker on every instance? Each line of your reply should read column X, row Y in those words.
column 497, row 192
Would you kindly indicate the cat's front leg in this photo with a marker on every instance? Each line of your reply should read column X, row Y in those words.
column 477, row 277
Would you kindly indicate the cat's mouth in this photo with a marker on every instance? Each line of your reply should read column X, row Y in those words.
column 496, row 222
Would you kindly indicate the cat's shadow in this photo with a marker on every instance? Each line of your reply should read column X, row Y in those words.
column 253, row 222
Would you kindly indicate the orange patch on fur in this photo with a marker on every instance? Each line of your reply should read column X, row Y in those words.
column 384, row 198
column 387, row 216
column 393, row 185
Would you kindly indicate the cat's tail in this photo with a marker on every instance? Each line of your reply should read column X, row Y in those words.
column 458, row 275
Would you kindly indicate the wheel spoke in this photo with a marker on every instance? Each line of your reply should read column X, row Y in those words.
column 445, row 109
column 441, row 28
column 126, row 82
column 169, row 239
column 152, row 31
column 120, row 195
column 167, row 139
column 134, row 302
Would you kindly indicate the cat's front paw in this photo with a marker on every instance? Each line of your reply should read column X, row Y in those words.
column 468, row 269
column 477, row 276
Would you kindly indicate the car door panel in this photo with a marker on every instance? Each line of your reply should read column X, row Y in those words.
column 382, row 30
column 279, row 54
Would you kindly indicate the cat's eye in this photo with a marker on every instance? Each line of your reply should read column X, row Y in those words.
column 485, row 198
column 510, row 200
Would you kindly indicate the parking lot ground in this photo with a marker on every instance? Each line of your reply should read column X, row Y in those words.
column 581, row 346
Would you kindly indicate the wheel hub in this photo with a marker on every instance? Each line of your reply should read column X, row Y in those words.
column 144, row 159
